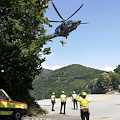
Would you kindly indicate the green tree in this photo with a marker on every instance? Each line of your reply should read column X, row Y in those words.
column 22, row 36
column 117, row 70
column 115, row 80
column 102, row 84
column 116, row 77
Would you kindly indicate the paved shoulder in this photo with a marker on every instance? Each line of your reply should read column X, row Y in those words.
column 61, row 117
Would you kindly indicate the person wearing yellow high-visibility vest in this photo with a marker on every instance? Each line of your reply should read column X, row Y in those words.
column 53, row 100
column 63, row 99
column 74, row 96
column 84, row 106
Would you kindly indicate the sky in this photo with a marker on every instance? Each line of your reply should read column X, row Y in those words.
column 95, row 45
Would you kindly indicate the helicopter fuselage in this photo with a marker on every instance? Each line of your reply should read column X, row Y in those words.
column 67, row 25
column 65, row 28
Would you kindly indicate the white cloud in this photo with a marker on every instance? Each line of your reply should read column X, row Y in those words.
column 51, row 68
column 55, row 67
column 109, row 68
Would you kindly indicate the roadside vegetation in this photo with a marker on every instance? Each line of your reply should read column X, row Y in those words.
column 22, row 36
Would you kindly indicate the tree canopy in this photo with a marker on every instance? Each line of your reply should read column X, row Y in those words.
column 22, row 37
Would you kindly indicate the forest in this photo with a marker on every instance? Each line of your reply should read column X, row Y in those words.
column 75, row 77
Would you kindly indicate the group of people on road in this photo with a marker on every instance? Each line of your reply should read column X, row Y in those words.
column 84, row 103
column 63, row 99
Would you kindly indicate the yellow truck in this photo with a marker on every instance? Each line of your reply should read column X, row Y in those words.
column 11, row 108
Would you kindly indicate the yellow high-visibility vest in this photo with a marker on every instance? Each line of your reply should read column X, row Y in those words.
column 63, row 97
column 74, row 96
column 53, row 97
column 84, row 103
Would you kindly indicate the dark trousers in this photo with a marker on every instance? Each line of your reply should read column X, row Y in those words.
column 63, row 103
column 53, row 103
column 84, row 114
column 75, row 102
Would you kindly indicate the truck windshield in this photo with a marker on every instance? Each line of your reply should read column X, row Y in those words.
column 2, row 96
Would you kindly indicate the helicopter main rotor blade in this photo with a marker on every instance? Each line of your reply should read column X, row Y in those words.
column 57, row 11
column 75, row 11
column 55, row 21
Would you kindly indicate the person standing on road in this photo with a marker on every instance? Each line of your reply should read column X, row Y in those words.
column 84, row 106
column 63, row 99
column 74, row 96
column 53, row 100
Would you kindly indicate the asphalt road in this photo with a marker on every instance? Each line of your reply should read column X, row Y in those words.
column 102, row 107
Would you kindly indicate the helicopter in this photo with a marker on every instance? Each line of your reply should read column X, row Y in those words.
column 67, row 25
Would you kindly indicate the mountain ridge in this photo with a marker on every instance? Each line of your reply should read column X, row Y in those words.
column 72, row 77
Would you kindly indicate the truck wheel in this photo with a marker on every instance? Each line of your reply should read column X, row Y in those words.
column 17, row 115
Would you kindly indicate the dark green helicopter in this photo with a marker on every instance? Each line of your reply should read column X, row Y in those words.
column 67, row 25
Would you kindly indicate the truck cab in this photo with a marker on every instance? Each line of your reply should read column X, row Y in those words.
column 11, row 108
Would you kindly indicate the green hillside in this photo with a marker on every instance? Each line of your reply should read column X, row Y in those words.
column 46, row 71
column 43, row 72
column 69, row 78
